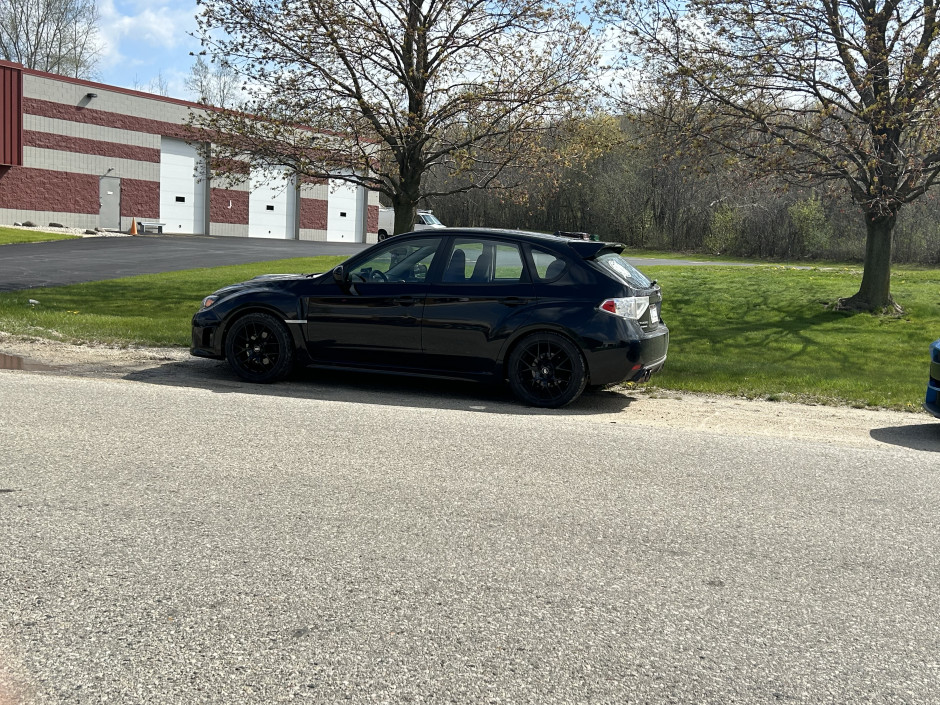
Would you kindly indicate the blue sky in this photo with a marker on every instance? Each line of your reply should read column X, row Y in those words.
column 143, row 40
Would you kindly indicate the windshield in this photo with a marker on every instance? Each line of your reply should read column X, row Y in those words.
column 624, row 271
column 430, row 219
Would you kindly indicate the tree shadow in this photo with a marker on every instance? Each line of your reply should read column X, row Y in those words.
column 921, row 437
column 372, row 388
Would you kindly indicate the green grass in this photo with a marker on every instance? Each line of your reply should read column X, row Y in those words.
column 8, row 236
column 151, row 309
column 769, row 332
column 760, row 332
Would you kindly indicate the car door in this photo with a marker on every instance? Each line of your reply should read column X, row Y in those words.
column 373, row 317
column 481, row 296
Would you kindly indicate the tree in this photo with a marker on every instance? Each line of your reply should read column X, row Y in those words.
column 213, row 85
column 158, row 85
column 58, row 36
column 836, row 91
column 396, row 87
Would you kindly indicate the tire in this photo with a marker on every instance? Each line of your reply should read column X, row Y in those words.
column 259, row 348
column 547, row 370
column 383, row 235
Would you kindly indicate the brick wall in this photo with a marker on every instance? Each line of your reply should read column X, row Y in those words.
column 71, row 138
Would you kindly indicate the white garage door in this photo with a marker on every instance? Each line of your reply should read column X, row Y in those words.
column 182, row 192
column 342, row 212
column 272, row 205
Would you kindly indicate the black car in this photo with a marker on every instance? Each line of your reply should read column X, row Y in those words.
column 550, row 314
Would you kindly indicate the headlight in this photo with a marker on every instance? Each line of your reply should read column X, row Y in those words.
column 209, row 300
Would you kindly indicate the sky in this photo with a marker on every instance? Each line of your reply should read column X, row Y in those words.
column 145, row 40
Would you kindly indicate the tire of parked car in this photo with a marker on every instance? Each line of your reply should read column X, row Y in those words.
column 259, row 348
column 547, row 370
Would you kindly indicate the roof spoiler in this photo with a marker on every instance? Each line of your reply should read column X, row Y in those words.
column 588, row 249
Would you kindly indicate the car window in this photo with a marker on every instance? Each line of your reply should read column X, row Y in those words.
column 548, row 266
column 398, row 262
column 484, row 262
column 624, row 271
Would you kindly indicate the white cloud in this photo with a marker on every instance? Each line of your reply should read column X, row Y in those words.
column 143, row 40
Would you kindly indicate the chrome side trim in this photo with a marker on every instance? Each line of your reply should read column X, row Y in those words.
column 295, row 321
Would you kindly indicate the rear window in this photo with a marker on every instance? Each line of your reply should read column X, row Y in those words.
column 624, row 271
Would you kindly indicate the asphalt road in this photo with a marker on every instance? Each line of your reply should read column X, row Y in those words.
column 27, row 265
column 320, row 542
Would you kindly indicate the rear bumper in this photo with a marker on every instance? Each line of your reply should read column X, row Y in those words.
column 633, row 360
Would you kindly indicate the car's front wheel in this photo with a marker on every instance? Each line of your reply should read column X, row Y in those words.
column 547, row 370
column 259, row 348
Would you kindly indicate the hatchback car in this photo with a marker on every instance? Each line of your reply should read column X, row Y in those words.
column 549, row 314
column 932, row 402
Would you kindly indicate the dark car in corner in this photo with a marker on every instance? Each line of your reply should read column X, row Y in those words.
column 932, row 401
column 549, row 314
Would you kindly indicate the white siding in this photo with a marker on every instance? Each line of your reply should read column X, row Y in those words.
column 272, row 205
column 343, row 217
column 182, row 192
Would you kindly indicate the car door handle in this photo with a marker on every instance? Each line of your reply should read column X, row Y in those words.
column 513, row 301
column 406, row 300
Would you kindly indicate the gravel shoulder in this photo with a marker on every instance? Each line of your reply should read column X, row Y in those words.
column 656, row 409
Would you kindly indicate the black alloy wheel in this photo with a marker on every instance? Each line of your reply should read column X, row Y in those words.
column 259, row 348
column 547, row 370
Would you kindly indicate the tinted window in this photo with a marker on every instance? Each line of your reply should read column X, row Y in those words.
column 398, row 262
column 484, row 262
column 624, row 271
column 548, row 266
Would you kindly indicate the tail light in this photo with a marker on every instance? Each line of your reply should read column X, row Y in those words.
column 632, row 307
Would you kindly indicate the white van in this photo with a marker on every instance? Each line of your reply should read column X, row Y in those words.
column 424, row 220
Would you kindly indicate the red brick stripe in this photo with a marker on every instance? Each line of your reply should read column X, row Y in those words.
column 219, row 211
column 89, row 116
column 47, row 140
column 22, row 188
column 313, row 214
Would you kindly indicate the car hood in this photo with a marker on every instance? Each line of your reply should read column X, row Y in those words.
column 266, row 281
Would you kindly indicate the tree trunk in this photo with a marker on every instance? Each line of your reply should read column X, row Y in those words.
column 405, row 203
column 405, row 214
column 874, row 294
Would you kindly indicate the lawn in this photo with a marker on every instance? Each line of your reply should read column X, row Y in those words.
column 764, row 331
column 770, row 332
column 9, row 236
column 151, row 309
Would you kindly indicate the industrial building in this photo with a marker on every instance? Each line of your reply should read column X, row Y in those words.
column 88, row 155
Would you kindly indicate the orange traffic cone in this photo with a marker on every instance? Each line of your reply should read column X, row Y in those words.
column 133, row 230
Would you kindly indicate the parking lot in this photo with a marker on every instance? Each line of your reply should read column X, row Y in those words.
column 28, row 265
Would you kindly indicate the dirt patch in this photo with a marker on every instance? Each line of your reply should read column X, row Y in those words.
column 89, row 360
column 654, row 409
column 80, row 232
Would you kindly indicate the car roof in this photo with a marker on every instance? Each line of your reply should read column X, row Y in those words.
column 586, row 249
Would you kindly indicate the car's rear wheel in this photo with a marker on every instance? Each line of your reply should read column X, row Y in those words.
column 259, row 348
column 383, row 235
column 547, row 370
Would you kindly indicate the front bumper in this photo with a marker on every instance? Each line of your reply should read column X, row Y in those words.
column 206, row 342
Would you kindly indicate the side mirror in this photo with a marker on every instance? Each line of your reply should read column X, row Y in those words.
column 339, row 276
